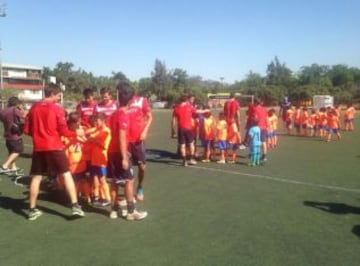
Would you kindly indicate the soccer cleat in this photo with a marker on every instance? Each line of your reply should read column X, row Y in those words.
column 242, row 147
column 4, row 170
column 77, row 211
column 192, row 162
column 113, row 214
column 185, row 163
column 34, row 214
column 230, row 162
column 205, row 161
column 104, row 203
column 136, row 216
column 140, row 194
column 221, row 162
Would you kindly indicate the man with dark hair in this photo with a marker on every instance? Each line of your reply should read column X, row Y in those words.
column 141, row 118
column 85, row 108
column 46, row 124
column 261, row 114
column 12, row 133
column 232, row 109
column 106, row 105
column 183, row 114
column 121, row 171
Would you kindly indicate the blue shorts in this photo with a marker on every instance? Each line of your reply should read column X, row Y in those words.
column 222, row 145
column 98, row 171
column 233, row 146
column 333, row 130
column 208, row 143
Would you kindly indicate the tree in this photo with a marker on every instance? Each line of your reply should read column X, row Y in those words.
column 277, row 73
column 180, row 80
column 159, row 76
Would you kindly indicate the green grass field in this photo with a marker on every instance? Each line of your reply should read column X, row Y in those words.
column 301, row 208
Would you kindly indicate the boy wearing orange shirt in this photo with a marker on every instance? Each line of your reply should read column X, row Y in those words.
column 74, row 151
column 272, row 132
column 208, row 137
column 304, row 116
column 289, row 119
column 333, row 125
column 312, row 126
column 233, row 138
column 100, row 141
column 349, row 117
column 221, row 136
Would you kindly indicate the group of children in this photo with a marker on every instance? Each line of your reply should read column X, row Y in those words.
column 220, row 137
column 323, row 123
column 87, row 157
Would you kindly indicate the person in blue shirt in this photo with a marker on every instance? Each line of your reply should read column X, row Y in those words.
column 254, row 142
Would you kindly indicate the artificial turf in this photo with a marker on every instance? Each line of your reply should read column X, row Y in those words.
column 301, row 208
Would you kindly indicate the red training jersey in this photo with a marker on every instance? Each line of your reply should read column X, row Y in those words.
column 118, row 121
column 138, row 109
column 184, row 112
column 231, row 108
column 106, row 108
column 46, row 123
column 85, row 110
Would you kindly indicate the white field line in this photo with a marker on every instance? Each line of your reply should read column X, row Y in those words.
column 278, row 179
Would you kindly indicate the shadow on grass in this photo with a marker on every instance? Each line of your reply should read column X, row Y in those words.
column 336, row 208
column 21, row 207
column 356, row 230
column 162, row 156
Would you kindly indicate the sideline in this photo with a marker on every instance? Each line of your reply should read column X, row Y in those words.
column 278, row 179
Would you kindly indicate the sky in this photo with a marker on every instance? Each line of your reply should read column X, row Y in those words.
column 212, row 39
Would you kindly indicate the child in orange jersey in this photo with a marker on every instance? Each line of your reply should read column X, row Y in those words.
column 297, row 120
column 289, row 117
column 312, row 125
column 333, row 125
column 77, row 164
column 304, row 116
column 221, row 136
column 322, row 122
column 233, row 138
column 272, row 131
column 208, row 130
column 349, row 117
column 100, row 141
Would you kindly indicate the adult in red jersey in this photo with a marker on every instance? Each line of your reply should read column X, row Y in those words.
column 261, row 114
column 106, row 105
column 232, row 109
column 120, row 167
column 85, row 108
column 184, row 112
column 46, row 124
column 141, row 118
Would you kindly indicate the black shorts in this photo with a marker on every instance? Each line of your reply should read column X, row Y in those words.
column 138, row 152
column 115, row 171
column 15, row 146
column 185, row 136
column 50, row 163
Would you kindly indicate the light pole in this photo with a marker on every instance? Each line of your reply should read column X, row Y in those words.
column 2, row 14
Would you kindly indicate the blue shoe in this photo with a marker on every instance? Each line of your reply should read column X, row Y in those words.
column 140, row 194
